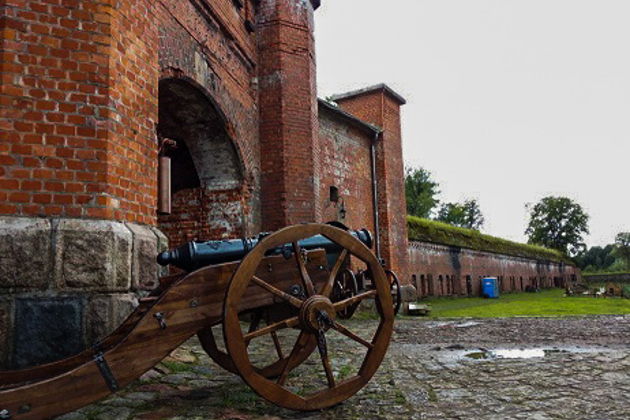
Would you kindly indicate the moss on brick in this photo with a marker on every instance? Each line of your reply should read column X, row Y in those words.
column 424, row 230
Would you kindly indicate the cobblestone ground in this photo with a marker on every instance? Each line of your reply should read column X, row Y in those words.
column 433, row 370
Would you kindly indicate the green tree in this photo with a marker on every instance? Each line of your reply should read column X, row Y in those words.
column 559, row 223
column 596, row 258
column 466, row 214
column 622, row 248
column 421, row 192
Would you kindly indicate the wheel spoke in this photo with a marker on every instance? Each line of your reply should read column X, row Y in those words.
column 276, row 343
column 354, row 299
column 343, row 330
column 255, row 323
column 287, row 323
column 306, row 279
column 297, row 348
column 333, row 274
column 282, row 295
column 323, row 352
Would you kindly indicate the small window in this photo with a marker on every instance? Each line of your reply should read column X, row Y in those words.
column 334, row 194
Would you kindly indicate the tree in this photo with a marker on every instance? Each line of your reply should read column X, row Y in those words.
column 421, row 192
column 558, row 223
column 466, row 215
column 596, row 258
column 622, row 248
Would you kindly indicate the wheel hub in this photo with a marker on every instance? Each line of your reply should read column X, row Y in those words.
column 315, row 311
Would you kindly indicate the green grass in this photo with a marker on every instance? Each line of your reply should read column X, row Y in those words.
column 425, row 230
column 604, row 273
column 546, row 303
column 177, row 367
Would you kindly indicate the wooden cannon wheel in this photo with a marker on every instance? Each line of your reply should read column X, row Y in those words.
column 345, row 286
column 316, row 318
column 394, row 285
column 274, row 369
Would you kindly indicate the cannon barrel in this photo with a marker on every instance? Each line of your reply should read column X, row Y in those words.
column 196, row 254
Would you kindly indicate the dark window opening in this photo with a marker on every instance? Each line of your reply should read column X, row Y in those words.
column 334, row 194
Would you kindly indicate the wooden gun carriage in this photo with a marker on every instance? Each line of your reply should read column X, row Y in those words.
column 297, row 280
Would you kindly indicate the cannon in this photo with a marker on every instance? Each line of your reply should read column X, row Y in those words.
column 301, row 281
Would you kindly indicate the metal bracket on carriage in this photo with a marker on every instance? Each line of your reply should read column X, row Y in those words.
column 161, row 319
column 297, row 291
column 106, row 372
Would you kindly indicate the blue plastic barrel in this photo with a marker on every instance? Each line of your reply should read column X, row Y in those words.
column 490, row 287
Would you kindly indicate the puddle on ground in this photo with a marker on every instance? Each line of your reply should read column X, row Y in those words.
column 524, row 353
column 453, row 324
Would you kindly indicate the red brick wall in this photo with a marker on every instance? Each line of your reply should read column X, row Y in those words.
column 288, row 113
column 131, row 183
column 381, row 109
column 198, row 215
column 206, row 45
column 438, row 270
column 345, row 156
column 54, row 108
column 79, row 99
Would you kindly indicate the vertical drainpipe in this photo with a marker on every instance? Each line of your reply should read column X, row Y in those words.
column 377, row 234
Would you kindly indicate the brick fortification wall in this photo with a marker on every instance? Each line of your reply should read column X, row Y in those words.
column 379, row 105
column 88, row 93
column 442, row 270
column 87, row 88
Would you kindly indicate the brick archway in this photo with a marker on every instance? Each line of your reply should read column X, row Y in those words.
column 207, row 172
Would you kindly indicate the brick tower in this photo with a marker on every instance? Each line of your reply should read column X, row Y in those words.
column 288, row 113
column 380, row 105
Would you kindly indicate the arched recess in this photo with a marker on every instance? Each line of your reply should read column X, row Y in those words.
column 207, row 172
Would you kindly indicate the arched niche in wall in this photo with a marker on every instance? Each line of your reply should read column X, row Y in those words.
column 206, row 171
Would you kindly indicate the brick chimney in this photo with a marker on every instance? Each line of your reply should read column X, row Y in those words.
column 380, row 105
column 288, row 113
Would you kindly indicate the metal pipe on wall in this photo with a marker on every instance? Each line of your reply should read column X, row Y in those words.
column 164, row 185
column 377, row 233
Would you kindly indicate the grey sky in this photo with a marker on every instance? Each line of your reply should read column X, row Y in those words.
column 508, row 101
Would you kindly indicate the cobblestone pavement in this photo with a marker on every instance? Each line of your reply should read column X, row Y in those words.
column 433, row 370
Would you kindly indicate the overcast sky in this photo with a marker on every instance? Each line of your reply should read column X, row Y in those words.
column 508, row 100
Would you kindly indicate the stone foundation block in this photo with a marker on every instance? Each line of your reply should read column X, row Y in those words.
column 145, row 270
column 47, row 329
column 162, row 245
column 25, row 253
column 93, row 255
column 106, row 313
column 6, row 311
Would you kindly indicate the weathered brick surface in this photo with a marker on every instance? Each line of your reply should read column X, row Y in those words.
column 345, row 155
column 77, row 111
column 379, row 107
column 199, row 214
column 439, row 270
column 90, row 88
column 205, row 47
column 79, row 99
column 290, row 162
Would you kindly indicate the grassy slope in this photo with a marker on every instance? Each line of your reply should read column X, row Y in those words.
column 546, row 303
column 442, row 233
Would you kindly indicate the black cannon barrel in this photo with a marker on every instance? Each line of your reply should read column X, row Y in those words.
column 194, row 255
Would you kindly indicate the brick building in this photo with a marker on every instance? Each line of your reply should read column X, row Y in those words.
column 449, row 261
column 90, row 90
